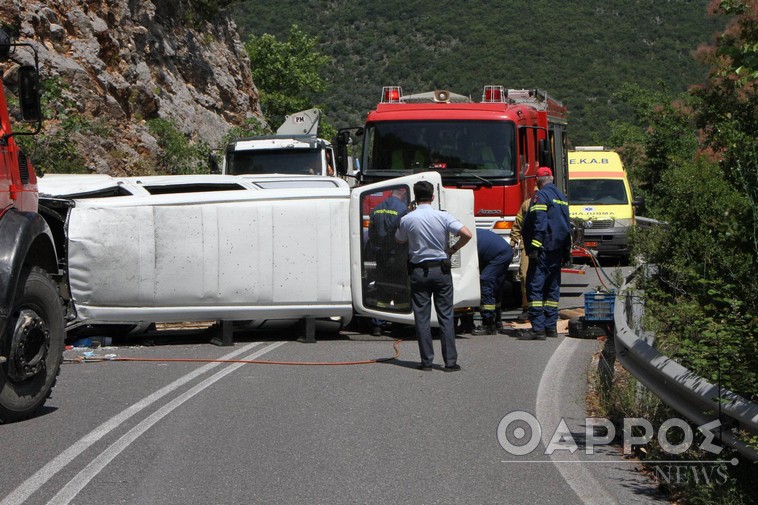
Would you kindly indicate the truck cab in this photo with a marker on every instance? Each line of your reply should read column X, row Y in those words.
column 295, row 149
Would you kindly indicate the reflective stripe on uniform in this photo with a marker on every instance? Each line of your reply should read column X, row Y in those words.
column 559, row 202
column 386, row 211
column 536, row 303
column 551, row 303
column 489, row 307
column 538, row 206
column 536, row 243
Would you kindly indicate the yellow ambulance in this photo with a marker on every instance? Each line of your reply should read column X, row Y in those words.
column 600, row 197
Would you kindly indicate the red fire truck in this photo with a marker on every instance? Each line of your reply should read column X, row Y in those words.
column 493, row 147
column 31, row 312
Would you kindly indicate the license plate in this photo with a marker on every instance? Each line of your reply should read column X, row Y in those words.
column 591, row 244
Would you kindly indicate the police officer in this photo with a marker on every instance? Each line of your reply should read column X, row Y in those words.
column 547, row 239
column 426, row 232
column 495, row 255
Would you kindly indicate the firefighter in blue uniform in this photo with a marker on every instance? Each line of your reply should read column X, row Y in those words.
column 391, row 258
column 547, row 239
column 495, row 255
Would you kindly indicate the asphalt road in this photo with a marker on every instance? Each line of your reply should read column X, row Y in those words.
column 177, row 432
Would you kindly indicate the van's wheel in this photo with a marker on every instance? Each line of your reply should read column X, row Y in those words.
column 32, row 345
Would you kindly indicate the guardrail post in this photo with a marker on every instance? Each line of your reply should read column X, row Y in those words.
column 607, row 362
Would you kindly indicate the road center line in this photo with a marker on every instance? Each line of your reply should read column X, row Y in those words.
column 44, row 474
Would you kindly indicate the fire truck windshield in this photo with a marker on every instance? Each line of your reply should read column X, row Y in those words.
column 480, row 150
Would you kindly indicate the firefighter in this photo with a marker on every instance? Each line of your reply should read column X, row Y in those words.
column 547, row 239
column 495, row 255
column 516, row 241
column 391, row 258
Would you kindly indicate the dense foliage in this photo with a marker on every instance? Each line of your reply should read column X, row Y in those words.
column 286, row 73
column 198, row 11
column 178, row 155
column 581, row 52
column 694, row 158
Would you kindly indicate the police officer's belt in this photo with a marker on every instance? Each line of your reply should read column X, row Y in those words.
column 427, row 264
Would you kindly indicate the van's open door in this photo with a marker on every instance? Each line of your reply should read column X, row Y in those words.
column 380, row 288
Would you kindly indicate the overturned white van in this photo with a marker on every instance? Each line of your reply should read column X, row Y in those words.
column 140, row 250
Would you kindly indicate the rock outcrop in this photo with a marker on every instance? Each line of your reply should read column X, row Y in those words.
column 121, row 63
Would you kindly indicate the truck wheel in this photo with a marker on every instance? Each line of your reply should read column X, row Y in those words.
column 32, row 345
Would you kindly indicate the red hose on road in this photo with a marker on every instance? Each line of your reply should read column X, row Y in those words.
column 93, row 359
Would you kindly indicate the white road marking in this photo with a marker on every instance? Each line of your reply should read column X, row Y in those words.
column 549, row 396
column 89, row 472
column 36, row 481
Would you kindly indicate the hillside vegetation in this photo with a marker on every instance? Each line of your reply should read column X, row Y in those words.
column 579, row 51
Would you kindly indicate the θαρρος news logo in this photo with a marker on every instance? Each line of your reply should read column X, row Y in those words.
column 520, row 433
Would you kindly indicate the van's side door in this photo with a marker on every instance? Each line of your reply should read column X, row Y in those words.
column 379, row 276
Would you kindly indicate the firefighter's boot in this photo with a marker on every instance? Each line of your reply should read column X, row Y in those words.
column 532, row 335
column 485, row 329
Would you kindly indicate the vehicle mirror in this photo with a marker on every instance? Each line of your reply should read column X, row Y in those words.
column 29, row 100
column 5, row 45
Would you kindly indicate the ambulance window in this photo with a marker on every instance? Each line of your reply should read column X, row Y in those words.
column 597, row 192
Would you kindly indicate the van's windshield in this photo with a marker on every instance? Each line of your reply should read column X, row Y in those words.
column 597, row 192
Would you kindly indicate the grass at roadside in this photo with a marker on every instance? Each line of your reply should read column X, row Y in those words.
column 689, row 477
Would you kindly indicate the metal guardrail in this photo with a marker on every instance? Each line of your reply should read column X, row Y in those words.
column 683, row 390
column 647, row 222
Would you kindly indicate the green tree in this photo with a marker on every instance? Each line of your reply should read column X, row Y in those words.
column 695, row 161
column 697, row 167
column 728, row 115
column 287, row 74
column 695, row 157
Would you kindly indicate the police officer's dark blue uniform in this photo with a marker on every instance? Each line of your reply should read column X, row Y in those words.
column 495, row 255
column 547, row 238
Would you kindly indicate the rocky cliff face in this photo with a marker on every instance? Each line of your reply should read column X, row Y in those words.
column 125, row 62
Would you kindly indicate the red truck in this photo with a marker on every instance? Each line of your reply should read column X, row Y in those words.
column 31, row 309
column 493, row 147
